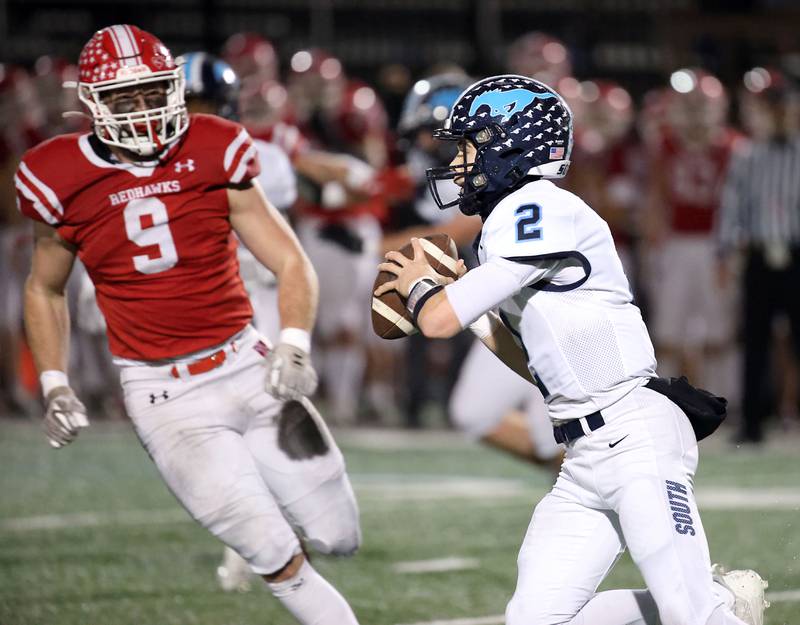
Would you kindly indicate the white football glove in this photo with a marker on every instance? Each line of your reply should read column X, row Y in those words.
column 289, row 373
column 64, row 416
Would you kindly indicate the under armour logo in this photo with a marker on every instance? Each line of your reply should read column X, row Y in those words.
column 163, row 395
column 188, row 164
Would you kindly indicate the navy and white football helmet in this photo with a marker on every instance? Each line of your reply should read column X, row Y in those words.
column 430, row 100
column 521, row 129
column 213, row 80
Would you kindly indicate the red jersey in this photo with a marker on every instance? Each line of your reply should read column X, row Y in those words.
column 155, row 237
column 694, row 180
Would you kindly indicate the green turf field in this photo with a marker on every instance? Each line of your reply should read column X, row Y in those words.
column 89, row 536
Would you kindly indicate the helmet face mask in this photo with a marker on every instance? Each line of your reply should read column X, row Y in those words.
column 458, row 183
column 121, row 59
column 520, row 128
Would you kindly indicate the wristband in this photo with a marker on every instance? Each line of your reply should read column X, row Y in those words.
column 419, row 287
column 52, row 379
column 297, row 337
column 421, row 291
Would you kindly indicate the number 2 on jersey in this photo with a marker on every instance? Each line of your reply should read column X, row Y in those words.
column 157, row 234
column 529, row 216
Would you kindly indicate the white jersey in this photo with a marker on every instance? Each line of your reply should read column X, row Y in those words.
column 279, row 183
column 277, row 176
column 548, row 263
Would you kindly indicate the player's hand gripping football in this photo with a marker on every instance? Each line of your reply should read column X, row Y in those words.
column 64, row 416
column 289, row 373
column 409, row 271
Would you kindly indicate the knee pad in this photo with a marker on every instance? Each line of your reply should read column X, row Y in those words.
column 269, row 554
column 267, row 543
column 529, row 611
column 338, row 539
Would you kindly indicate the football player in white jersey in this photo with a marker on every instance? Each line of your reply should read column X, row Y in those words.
column 489, row 402
column 550, row 298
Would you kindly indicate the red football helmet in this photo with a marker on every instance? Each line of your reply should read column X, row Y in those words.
column 250, row 54
column 124, row 56
column 262, row 103
column 360, row 112
column 540, row 56
column 50, row 76
column 603, row 115
column 763, row 88
column 21, row 111
column 316, row 81
column 697, row 105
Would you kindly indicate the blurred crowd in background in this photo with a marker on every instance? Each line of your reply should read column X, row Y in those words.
column 698, row 178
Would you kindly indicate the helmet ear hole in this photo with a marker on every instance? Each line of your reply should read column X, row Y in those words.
column 483, row 136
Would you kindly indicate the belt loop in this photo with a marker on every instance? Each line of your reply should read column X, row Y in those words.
column 587, row 431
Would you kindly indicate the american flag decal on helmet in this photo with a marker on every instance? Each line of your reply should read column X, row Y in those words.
column 556, row 153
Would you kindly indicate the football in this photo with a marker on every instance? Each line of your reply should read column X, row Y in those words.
column 390, row 319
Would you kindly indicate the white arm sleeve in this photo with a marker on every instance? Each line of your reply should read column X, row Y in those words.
column 485, row 287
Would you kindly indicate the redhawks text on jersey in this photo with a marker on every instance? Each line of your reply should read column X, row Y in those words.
column 155, row 237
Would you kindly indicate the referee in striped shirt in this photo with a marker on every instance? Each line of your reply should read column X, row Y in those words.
column 760, row 216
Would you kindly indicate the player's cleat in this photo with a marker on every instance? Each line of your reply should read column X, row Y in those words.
column 234, row 574
column 747, row 588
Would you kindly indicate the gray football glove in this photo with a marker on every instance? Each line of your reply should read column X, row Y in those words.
column 289, row 373
column 64, row 416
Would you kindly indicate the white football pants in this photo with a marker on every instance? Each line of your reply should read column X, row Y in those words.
column 627, row 484
column 214, row 438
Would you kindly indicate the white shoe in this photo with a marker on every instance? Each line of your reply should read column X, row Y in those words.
column 747, row 588
column 234, row 573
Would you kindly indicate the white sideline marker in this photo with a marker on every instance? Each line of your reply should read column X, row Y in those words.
column 438, row 565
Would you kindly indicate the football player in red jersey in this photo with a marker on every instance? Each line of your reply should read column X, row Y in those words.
column 692, row 322
column 149, row 201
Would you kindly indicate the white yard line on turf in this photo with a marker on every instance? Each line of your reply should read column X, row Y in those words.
column 438, row 565
column 499, row 619
column 787, row 596
column 94, row 519
column 376, row 490
column 402, row 488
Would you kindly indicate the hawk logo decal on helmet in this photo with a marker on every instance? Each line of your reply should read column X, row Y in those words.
column 526, row 134
column 506, row 104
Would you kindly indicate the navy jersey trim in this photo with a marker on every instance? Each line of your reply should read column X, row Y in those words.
column 476, row 244
column 546, row 285
column 536, row 379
